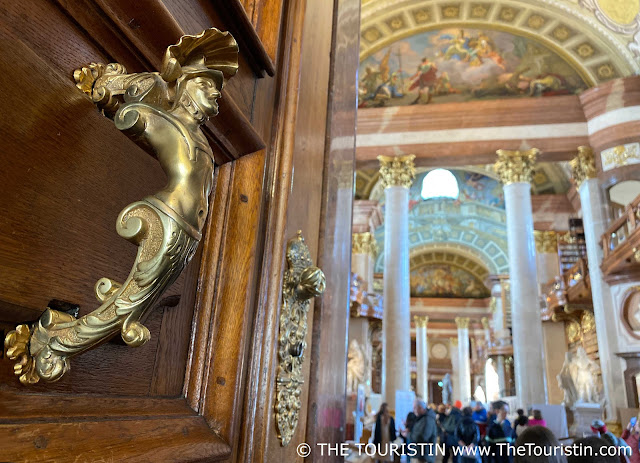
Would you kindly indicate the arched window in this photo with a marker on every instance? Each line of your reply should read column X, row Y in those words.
column 440, row 183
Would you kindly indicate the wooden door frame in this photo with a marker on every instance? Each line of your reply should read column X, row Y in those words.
column 204, row 424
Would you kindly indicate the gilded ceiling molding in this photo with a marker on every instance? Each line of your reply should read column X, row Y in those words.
column 583, row 166
column 485, row 322
column 516, row 166
column 397, row 170
column 364, row 243
column 546, row 242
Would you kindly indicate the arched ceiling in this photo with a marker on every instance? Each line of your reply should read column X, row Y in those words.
column 448, row 256
column 600, row 39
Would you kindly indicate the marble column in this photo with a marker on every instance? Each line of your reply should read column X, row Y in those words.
column 487, row 333
column 422, row 358
column 515, row 170
column 363, row 253
column 455, row 369
column 554, row 340
column 396, row 174
column 464, row 362
column 594, row 218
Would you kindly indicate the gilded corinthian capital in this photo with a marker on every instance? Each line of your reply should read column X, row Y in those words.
column 421, row 322
column 364, row 243
column 546, row 241
column 397, row 170
column 583, row 166
column 515, row 166
column 462, row 322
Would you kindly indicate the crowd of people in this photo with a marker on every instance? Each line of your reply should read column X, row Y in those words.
column 473, row 434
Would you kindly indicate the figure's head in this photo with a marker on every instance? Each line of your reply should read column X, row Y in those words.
column 384, row 409
column 501, row 409
column 198, row 89
column 419, row 407
column 537, row 415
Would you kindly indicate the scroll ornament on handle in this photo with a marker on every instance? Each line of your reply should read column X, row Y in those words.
column 302, row 281
column 162, row 112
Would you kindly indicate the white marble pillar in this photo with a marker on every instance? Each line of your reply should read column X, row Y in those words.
column 464, row 362
column 515, row 170
column 363, row 252
column 422, row 357
column 397, row 174
column 554, row 340
column 455, row 370
column 595, row 222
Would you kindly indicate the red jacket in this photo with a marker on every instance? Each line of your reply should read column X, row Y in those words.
column 632, row 440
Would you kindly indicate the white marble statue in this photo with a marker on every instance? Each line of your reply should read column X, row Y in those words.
column 356, row 366
column 578, row 378
column 447, row 389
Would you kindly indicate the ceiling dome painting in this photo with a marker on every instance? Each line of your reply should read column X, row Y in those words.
column 462, row 64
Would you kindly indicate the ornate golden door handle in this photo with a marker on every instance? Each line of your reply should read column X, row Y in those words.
column 162, row 112
column 302, row 281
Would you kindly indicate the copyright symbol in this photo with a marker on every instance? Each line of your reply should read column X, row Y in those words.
column 304, row 450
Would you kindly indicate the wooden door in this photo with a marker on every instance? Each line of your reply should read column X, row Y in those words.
column 203, row 387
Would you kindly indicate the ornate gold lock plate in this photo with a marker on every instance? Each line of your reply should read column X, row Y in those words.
column 302, row 281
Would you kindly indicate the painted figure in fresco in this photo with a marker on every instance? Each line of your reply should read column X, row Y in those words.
column 460, row 48
column 424, row 79
column 485, row 48
column 379, row 86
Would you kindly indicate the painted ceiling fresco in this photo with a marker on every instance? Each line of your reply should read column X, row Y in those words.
column 446, row 280
column 450, row 65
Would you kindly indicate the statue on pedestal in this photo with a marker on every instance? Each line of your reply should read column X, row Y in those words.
column 447, row 389
column 578, row 379
column 356, row 366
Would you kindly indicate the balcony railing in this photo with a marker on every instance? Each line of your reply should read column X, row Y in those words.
column 569, row 292
column 621, row 242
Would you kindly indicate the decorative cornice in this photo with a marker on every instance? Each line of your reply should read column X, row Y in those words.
column 397, row 170
column 454, row 342
column 546, row 242
column 485, row 323
column 462, row 323
column 583, row 166
column 364, row 243
column 421, row 322
column 515, row 166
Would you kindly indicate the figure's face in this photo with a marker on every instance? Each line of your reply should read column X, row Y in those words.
column 204, row 92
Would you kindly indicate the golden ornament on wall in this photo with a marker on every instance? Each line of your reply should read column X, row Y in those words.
column 573, row 331
column 422, row 16
column 451, row 12
column 585, row 50
column 508, row 14
column 163, row 113
column 588, row 322
column 301, row 282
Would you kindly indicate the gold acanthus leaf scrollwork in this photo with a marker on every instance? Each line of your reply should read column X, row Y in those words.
column 162, row 112
column 364, row 243
column 583, row 166
column 302, row 281
column 546, row 241
column 397, row 170
column 516, row 166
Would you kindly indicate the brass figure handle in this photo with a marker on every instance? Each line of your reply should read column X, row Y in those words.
column 302, row 281
column 162, row 112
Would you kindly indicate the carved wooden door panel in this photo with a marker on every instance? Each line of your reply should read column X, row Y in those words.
column 186, row 394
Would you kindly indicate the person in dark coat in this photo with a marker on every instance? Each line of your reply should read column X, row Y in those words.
column 468, row 437
column 384, row 433
column 454, row 415
column 424, row 431
column 499, row 432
